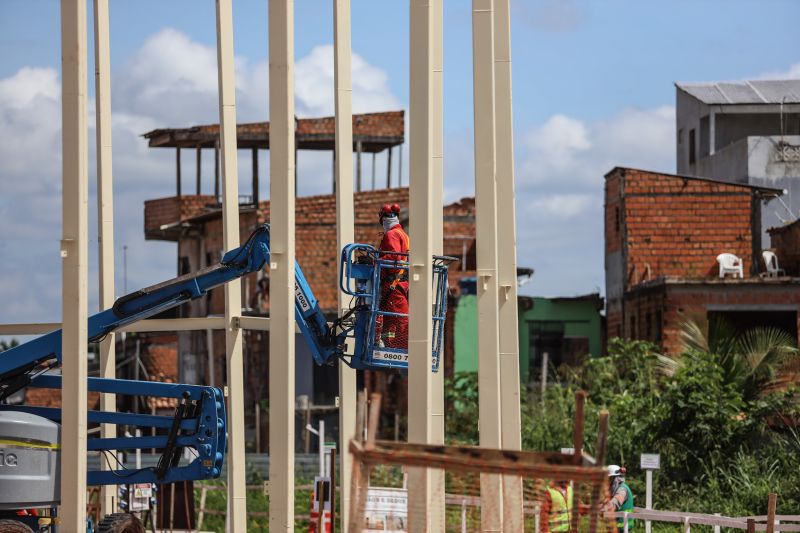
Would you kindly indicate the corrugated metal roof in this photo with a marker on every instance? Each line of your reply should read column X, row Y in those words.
column 745, row 92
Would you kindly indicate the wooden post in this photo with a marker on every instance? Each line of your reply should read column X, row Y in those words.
column 771, row 507
column 577, row 444
column 600, row 459
column 751, row 525
column 320, row 485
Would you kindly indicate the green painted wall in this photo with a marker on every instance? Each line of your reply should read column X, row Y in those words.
column 466, row 333
column 580, row 318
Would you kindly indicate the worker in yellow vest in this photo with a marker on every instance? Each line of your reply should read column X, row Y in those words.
column 557, row 507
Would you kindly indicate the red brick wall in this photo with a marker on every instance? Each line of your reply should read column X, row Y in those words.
column 173, row 209
column 676, row 226
column 786, row 245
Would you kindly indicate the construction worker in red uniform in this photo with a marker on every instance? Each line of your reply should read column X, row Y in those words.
column 392, row 331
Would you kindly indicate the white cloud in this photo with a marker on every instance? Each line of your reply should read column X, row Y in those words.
column 314, row 85
column 170, row 81
column 791, row 73
column 560, row 168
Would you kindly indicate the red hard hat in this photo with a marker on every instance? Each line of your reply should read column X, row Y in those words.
column 390, row 210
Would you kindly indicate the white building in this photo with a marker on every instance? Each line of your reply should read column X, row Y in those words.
column 744, row 132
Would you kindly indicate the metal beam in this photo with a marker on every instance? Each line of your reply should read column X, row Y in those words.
column 507, row 262
column 105, row 218
column 237, row 503
column 74, row 253
column 437, row 245
column 345, row 224
column 489, row 412
column 281, row 339
column 421, row 184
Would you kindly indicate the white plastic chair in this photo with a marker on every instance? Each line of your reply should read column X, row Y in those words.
column 771, row 262
column 730, row 264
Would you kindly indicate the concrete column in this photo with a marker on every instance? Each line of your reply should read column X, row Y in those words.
column 437, row 177
column 281, row 339
column 343, row 186
column 507, row 262
column 712, row 133
column 489, row 412
column 420, row 386
column 105, row 218
column 74, row 254
column 237, row 504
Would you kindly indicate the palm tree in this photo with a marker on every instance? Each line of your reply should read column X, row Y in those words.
column 752, row 359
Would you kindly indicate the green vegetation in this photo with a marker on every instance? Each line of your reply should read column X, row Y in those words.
column 725, row 436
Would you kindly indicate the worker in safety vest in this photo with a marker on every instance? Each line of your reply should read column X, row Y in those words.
column 621, row 495
column 392, row 331
column 557, row 506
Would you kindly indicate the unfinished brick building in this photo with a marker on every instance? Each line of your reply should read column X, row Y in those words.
column 195, row 224
column 663, row 233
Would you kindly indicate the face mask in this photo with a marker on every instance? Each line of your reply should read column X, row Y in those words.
column 389, row 223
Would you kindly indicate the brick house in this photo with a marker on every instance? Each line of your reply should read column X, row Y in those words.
column 663, row 233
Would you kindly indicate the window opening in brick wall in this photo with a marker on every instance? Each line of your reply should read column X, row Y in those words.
column 744, row 320
column 617, row 220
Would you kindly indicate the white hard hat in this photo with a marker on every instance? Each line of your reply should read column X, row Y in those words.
column 615, row 470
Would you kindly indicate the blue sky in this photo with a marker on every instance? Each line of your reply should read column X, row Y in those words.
column 593, row 88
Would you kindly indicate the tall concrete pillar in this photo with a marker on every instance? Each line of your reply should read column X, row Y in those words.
column 507, row 262
column 282, row 199
column 486, row 256
column 74, row 266
column 437, row 243
column 421, row 185
column 237, row 497
column 105, row 219
column 345, row 212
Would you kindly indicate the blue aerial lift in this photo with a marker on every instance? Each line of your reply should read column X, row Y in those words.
column 29, row 435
